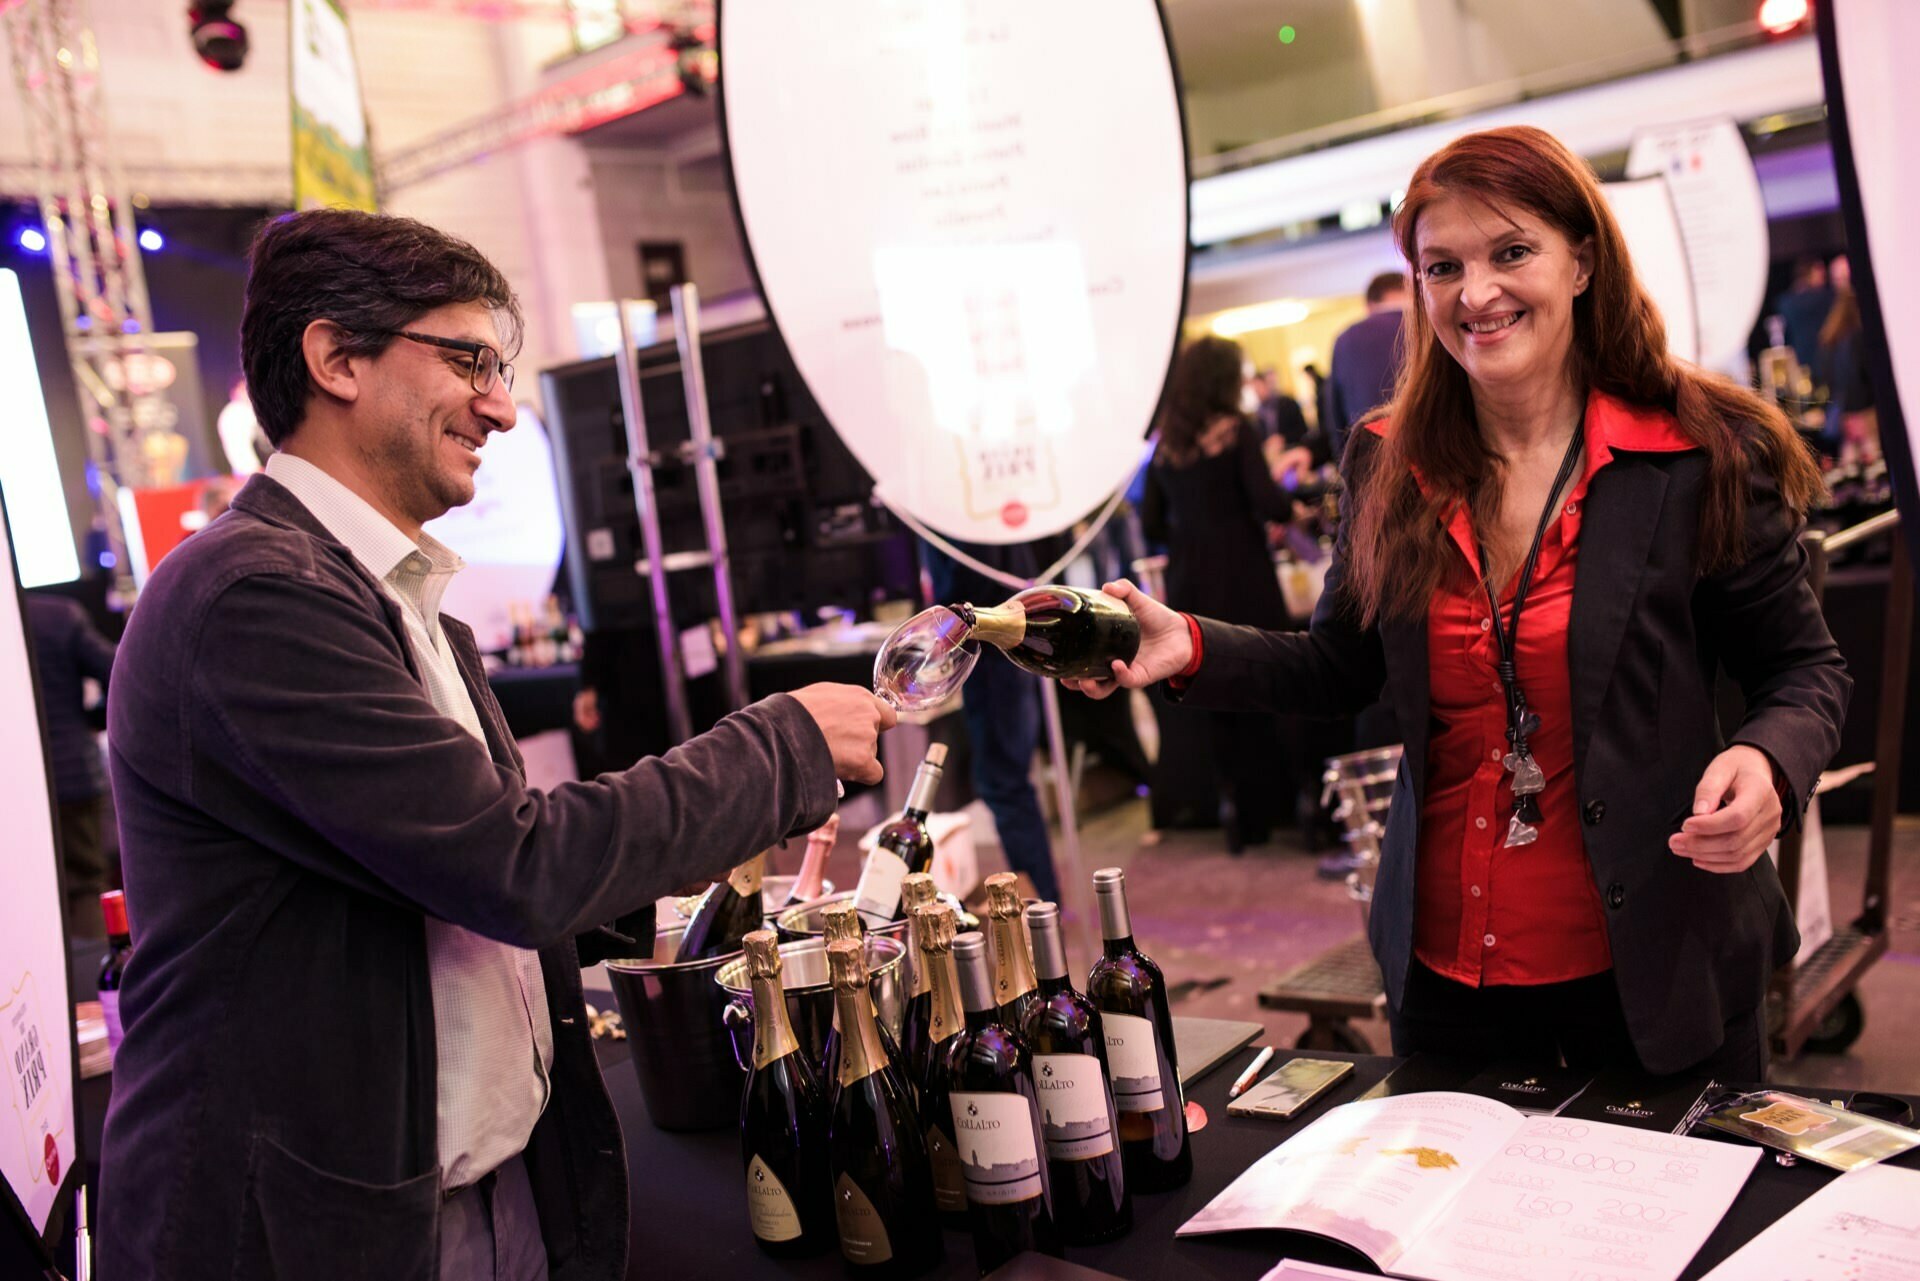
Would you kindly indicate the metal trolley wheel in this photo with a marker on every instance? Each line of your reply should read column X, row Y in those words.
column 1840, row 1028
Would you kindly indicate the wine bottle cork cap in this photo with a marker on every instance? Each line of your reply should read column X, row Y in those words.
column 1109, row 879
column 937, row 924
column 918, row 890
column 970, row 961
column 841, row 920
column 763, row 954
column 847, row 963
column 1003, row 898
column 937, row 755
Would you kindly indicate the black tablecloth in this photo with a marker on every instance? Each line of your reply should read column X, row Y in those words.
column 690, row 1214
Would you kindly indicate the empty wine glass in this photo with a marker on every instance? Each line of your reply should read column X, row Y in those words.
column 924, row 661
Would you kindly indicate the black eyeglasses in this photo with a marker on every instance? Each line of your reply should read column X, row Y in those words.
column 483, row 362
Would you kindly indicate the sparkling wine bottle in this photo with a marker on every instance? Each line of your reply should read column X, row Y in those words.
column 1014, row 986
column 727, row 913
column 783, row 1136
column 810, row 882
column 934, row 931
column 1077, row 1116
column 997, row 1121
column 916, row 892
column 842, row 921
column 903, row 846
column 1126, row 987
column 876, row 1149
column 1057, row 631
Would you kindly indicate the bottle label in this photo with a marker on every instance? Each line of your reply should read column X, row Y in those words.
column 1135, row 1060
column 999, row 1149
column 768, row 1206
column 745, row 879
column 949, row 1185
column 1072, row 1091
column 878, row 894
column 863, row 1233
column 110, row 1010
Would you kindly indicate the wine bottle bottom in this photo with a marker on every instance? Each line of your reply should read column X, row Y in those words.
column 1149, row 1172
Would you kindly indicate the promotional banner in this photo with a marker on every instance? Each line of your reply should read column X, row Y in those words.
column 969, row 222
column 38, row 1136
column 1724, row 222
column 332, row 163
column 29, row 473
column 1647, row 217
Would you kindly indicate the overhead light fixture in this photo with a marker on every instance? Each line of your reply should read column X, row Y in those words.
column 1780, row 17
column 152, row 241
column 1261, row 315
column 31, row 239
column 217, row 38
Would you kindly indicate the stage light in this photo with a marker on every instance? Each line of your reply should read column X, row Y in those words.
column 31, row 239
column 152, row 241
column 1781, row 16
column 217, row 38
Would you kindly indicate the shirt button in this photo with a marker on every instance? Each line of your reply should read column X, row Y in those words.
column 1487, row 939
column 1496, row 753
column 1573, row 509
column 1480, row 823
column 1475, row 891
column 1486, row 624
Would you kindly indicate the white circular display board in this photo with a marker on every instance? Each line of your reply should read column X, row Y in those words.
column 969, row 220
column 1651, row 225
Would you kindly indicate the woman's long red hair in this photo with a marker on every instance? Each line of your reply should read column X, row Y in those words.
column 1397, row 555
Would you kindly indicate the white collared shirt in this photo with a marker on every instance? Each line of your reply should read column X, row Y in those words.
column 491, row 1028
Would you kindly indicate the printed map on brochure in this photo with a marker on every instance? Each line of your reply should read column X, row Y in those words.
column 1454, row 1187
column 1863, row 1226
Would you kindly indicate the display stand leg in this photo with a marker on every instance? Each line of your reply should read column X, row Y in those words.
column 1067, row 864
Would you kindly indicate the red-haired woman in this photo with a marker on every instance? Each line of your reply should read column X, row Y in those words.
column 1557, row 536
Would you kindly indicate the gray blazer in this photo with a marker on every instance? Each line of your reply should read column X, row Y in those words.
column 1647, row 636
column 292, row 807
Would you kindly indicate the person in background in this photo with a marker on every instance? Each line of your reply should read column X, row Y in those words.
column 1366, row 360
column 1853, row 425
column 68, row 652
column 1293, row 447
column 1805, row 306
column 239, row 432
column 1209, row 498
column 356, row 1043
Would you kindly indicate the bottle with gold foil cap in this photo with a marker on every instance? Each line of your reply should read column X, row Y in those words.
column 1057, row 631
column 881, row 1180
column 842, row 923
column 783, row 1139
column 840, row 920
column 933, row 1021
column 1013, row 979
column 917, row 890
column 726, row 914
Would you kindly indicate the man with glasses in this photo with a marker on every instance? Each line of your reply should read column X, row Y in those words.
column 355, row 1039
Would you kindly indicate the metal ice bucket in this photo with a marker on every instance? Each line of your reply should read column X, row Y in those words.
column 681, row 1053
column 809, row 921
column 803, row 973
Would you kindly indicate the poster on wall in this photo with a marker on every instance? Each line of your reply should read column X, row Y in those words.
column 1648, row 219
column 969, row 223
column 332, row 161
column 1724, row 223
column 38, row 1135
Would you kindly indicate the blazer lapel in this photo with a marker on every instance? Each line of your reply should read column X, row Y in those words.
column 1623, row 511
column 466, row 654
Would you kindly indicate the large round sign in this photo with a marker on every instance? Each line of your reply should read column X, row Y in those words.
column 969, row 222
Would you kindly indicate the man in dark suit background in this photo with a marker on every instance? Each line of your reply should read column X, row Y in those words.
column 1366, row 360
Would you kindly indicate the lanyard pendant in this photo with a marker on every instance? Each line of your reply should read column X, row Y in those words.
column 1519, row 833
column 1528, row 778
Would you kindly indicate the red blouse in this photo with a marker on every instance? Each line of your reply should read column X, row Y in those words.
column 1486, row 914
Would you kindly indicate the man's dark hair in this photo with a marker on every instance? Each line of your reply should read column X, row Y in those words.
column 1387, row 282
column 370, row 274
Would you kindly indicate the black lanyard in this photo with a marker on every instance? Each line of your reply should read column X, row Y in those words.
column 1529, row 780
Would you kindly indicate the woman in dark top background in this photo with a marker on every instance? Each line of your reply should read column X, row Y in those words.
column 1209, row 497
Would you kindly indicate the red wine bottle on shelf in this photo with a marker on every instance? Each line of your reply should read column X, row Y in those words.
column 882, row 1184
column 903, row 846
column 1014, row 985
column 728, row 912
column 1057, row 631
column 783, row 1134
column 1077, row 1116
column 113, row 969
column 810, row 882
column 1127, row 988
column 933, row 929
column 995, row 1116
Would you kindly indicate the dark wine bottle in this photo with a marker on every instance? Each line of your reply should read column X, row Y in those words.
column 876, row 1149
column 729, row 911
column 903, row 846
column 1013, row 981
column 933, row 929
column 916, row 892
column 1077, row 1116
column 810, row 882
column 997, row 1121
column 841, row 920
column 783, row 1134
column 1057, row 631
column 1126, row 987
column 113, row 969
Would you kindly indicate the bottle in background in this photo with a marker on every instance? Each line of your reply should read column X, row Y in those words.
column 876, row 1149
column 1077, row 1115
column 933, row 930
column 1057, row 631
column 1013, row 980
column 903, row 846
column 728, row 912
column 783, row 1137
column 997, row 1121
column 810, row 882
column 113, row 906
column 1131, row 995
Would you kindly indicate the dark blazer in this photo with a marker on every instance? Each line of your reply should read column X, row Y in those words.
column 1360, row 373
column 66, row 650
column 1648, row 633
column 292, row 807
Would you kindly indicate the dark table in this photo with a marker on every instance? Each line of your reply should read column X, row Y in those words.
column 690, row 1217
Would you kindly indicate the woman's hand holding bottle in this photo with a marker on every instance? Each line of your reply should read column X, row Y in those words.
column 1166, row 646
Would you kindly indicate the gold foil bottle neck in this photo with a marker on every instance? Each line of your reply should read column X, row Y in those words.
column 746, row 878
column 1003, row 895
column 847, row 965
column 918, row 890
column 841, row 921
column 935, row 924
column 763, row 954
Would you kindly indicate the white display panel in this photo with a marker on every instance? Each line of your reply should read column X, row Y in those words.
column 37, row 1132
column 1724, row 221
column 1645, row 211
column 969, row 221
column 29, row 475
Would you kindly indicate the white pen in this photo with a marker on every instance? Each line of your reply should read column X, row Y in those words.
column 1260, row 1060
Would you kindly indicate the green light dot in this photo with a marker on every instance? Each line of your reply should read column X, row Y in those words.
column 1287, row 34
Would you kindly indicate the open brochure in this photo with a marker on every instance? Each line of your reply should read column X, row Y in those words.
column 1454, row 1187
column 1863, row 1226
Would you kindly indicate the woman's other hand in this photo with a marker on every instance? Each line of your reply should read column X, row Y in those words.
column 1736, row 813
column 1166, row 647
